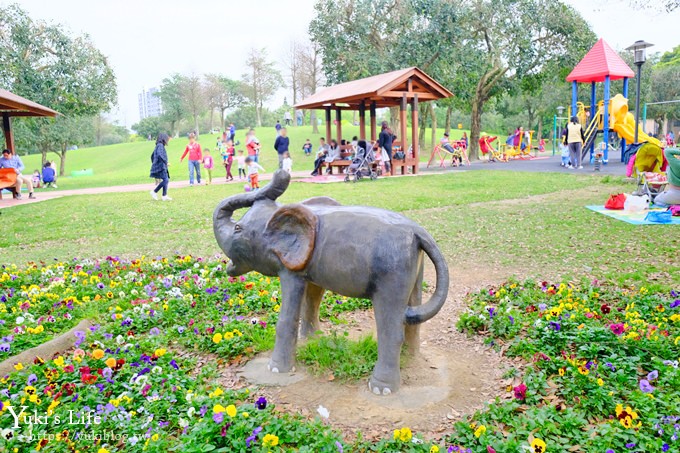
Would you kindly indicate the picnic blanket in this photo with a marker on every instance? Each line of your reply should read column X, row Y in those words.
column 635, row 218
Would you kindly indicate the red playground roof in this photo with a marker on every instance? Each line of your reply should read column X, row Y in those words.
column 599, row 62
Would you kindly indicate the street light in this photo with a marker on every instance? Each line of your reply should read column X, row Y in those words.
column 560, row 109
column 640, row 56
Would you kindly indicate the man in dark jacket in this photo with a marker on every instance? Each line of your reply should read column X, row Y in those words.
column 281, row 144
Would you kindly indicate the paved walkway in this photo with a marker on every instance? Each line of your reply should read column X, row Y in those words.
column 546, row 163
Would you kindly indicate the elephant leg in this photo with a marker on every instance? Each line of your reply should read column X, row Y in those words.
column 412, row 337
column 310, row 310
column 292, row 291
column 389, row 318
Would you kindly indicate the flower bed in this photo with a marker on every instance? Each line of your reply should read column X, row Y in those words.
column 603, row 368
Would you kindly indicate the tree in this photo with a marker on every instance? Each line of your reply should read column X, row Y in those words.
column 223, row 94
column 311, row 75
column 543, row 37
column 174, row 108
column 668, row 5
column 262, row 80
column 45, row 64
column 193, row 97
column 150, row 126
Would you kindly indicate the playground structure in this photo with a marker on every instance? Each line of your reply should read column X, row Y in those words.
column 459, row 148
column 515, row 148
column 603, row 65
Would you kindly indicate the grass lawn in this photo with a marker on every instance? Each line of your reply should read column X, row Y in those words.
column 129, row 163
column 551, row 234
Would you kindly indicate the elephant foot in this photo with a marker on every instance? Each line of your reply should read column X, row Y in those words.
column 379, row 387
column 278, row 367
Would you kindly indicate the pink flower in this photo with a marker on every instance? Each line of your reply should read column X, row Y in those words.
column 617, row 329
column 589, row 315
column 520, row 391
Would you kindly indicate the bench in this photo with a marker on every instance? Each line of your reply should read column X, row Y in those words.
column 403, row 166
column 8, row 181
column 345, row 152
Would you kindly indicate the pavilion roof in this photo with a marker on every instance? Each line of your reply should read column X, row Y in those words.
column 386, row 90
column 15, row 105
column 600, row 61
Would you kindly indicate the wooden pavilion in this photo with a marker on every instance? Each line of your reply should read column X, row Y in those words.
column 391, row 89
column 14, row 105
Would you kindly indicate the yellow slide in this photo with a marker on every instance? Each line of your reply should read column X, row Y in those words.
column 623, row 122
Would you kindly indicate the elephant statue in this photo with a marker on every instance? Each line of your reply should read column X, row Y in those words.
column 319, row 245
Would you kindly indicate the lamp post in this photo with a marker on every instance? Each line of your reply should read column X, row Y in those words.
column 640, row 56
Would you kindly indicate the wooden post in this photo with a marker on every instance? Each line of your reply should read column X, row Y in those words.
column 374, row 135
column 414, row 133
column 7, row 130
column 328, row 125
column 362, row 120
column 402, row 133
column 338, row 125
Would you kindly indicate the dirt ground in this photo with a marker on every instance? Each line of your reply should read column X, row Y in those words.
column 452, row 377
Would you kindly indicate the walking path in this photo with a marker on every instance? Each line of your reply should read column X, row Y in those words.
column 542, row 164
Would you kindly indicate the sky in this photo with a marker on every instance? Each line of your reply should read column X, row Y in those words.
column 147, row 40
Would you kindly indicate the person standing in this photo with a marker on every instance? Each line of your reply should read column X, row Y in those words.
column 159, row 167
column 385, row 140
column 253, row 146
column 671, row 196
column 281, row 144
column 229, row 159
column 12, row 160
column 193, row 149
column 287, row 118
column 278, row 128
column 208, row 164
column 574, row 139
column 232, row 132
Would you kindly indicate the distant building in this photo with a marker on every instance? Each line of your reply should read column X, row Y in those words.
column 149, row 103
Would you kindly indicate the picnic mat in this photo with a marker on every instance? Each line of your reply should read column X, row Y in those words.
column 635, row 218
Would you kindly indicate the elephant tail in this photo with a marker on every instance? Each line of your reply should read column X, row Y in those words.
column 421, row 313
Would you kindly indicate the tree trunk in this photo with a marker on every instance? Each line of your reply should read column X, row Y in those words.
column 423, row 114
column 258, row 112
column 223, row 121
column 98, row 129
column 315, row 123
column 62, row 160
column 196, row 125
column 539, row 131
column 434, row 123
column 447, row 126
column 475, row 127
column 212, row 111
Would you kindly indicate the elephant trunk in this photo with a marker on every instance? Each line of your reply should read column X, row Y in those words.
column 222, row 223
column 421, row 313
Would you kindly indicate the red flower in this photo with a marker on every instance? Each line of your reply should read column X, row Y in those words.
column 130, row 333
column 605, row 309
column 85, row 370
column 68, row 369
column 88, row 378
column 490, row 449
column 520, row 392
column 119, row 364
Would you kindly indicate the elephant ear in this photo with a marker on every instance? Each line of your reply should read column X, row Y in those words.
column 291, row 231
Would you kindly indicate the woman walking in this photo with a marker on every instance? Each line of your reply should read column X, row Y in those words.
column 574, row 138
column 385, row 143
column 159, row 167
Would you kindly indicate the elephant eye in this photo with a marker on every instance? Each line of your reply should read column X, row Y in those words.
column 237, row 228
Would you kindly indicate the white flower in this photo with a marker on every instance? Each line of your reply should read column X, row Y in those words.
column 121, row 294
column 415, row 440
column 254, row 321
column 156, row 370
column 20, row 320
column 7, row 434
column 323, row 412
column 133, row 440
column 134, row 292
column 183, row 423
column 120, row 339
column 191, row 411
column 189, row 398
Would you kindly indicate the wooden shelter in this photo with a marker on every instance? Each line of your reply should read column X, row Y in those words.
column 14, row 105
column 391, row 89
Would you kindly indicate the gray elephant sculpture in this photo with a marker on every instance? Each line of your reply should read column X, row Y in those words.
column 319, row 245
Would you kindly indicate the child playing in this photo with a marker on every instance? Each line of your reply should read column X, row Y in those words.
column 307, row 147
column 208, row 163
column 48, row 176
column 541, row 145
column 241, row 159
column 36, row 178
column 228, row 158
column 287, row 163
column 564, row 150
column 253, row 174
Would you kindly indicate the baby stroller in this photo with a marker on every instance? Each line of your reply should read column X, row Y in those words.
column 362, row 164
